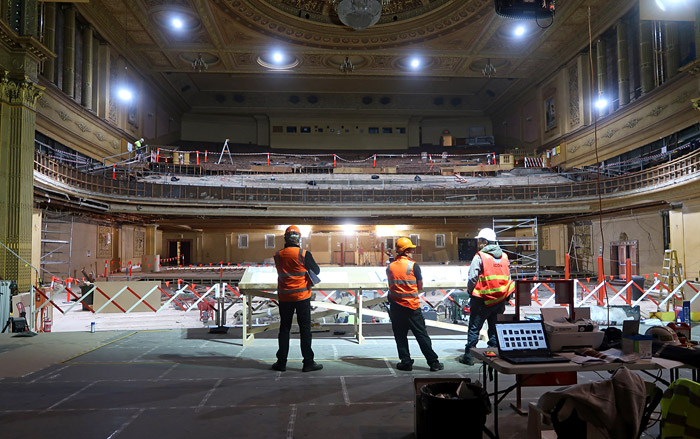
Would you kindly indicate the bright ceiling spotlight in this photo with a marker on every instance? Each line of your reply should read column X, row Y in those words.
column 519, row 31
column 349, row 229
column 278, row 57
column 415, row 63
column 601, row 103
column 177, row 23
column 125, row 94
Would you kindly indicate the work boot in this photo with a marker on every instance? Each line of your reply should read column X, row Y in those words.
column 312, row 367
column 434, row 367
column 406, row 366
column 279, row 367
column 466, row 359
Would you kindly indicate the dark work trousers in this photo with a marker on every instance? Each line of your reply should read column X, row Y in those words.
column 480, row 313
column 303, row 309
column 403, row 319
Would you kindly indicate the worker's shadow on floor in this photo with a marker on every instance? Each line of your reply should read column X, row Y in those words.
column 375, row 363
column 215, row 360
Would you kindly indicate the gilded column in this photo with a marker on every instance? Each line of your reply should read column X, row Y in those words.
column 50, row 39
column 646, row 51
column 18, row 98
column 672, row 49
column 86, row 96
column 602, row 69
column 69, row 50
column 623, row 73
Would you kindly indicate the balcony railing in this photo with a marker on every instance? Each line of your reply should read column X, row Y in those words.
column 682, row 169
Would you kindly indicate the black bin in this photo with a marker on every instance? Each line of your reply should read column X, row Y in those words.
column 639, row 282
column 441, row 415
column 84, row 289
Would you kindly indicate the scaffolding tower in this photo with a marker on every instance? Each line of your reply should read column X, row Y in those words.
column 518, row 238
column 56, row 238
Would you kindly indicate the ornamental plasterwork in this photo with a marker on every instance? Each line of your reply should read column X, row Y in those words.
column 280, row 19
column 657, row 110
column 682, row 98
column 19, row 92
column 611, row 132
column 114, row 144
column 43, row 103
column 63, row 115
column 83, row 127
column 100, row 136
column 633, row 122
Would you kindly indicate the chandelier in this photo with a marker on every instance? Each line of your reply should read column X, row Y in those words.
column 359, row 14
column 198, row 64
column 489, row 69
column 347, row 66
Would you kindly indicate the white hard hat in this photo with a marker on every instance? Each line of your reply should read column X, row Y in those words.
column 487, row 234
column 663, row 334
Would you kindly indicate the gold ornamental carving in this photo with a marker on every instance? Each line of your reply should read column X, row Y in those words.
column 19, row 92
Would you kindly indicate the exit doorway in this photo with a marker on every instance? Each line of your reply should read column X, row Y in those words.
column 181, row 251
column 620, row 252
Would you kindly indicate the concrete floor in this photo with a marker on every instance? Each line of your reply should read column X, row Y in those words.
column 189, row 383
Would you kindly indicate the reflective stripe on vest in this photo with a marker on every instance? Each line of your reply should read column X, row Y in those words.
column 494, row 283
column 292, row 280
column 403, row 285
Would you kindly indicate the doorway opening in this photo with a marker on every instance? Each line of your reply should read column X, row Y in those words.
column 181, row 251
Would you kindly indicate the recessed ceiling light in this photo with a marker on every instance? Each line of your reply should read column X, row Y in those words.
column 415, row 63
column 519, row 31
column 177, row 23
column 278, row 60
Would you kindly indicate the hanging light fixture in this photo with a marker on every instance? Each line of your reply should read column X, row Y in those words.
column 198, row 64
column 489, row 69
column 347, row 66
column 359, row 14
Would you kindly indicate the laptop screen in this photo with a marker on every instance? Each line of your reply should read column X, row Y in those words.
column 521, row 336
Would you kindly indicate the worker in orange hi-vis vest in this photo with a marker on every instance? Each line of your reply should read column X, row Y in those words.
column 294, row 291
column 405, row 282
column 489, row 285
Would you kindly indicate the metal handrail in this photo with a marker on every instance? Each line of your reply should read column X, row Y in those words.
column 680, row 169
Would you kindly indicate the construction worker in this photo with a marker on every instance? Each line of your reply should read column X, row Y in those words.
column 489, row 285
column 405, row 282
column 294, row 291
column 140, row 149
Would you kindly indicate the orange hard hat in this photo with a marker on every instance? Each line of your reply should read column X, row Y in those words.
column 403, row 243
column 292, row 229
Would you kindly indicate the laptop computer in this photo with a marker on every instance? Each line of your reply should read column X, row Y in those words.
column 524, row 342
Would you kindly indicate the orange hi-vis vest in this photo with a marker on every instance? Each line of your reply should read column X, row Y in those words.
column 494, row 283
column 403, row 286
column 293, row 284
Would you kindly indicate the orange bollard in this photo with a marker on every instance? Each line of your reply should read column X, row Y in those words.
column 374, row 162
column 158, row 155
column 114, row 172
column 197, row 157
column 566, row 266
column 335, row 163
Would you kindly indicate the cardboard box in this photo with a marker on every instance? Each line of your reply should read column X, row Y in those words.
column 640, row 344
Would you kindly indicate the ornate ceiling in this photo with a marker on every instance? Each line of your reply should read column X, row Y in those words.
column 454, row 38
